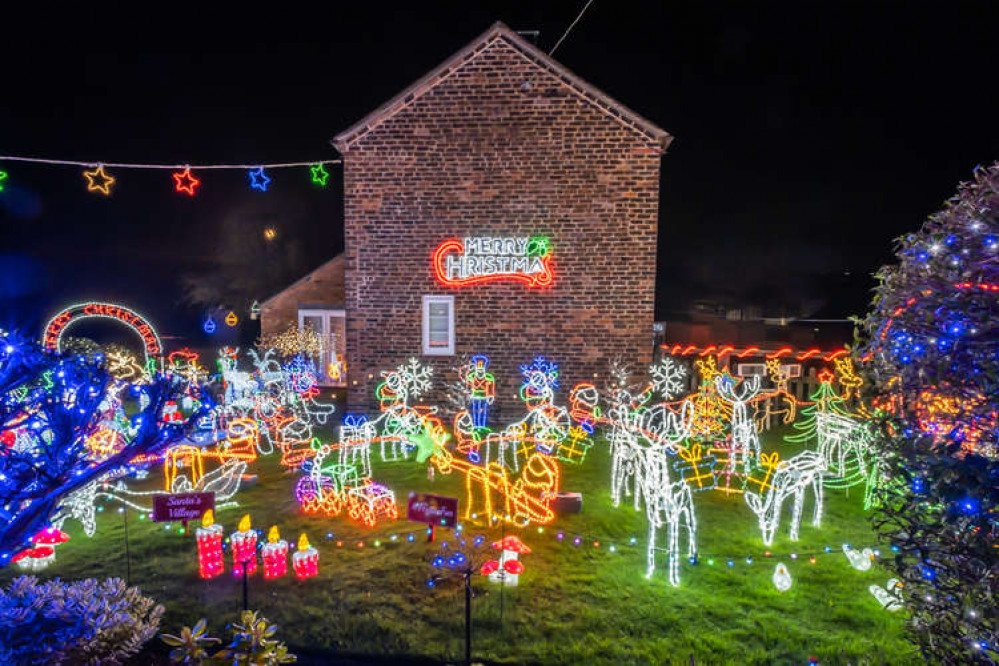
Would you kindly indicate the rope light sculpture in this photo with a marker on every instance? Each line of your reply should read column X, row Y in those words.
column 790, row 479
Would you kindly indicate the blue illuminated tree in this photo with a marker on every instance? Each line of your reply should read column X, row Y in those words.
column 930, row 342
column 49, row 405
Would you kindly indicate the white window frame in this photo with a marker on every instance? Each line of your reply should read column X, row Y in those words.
column 428, row 299
column 751, row 370
column 791, row 370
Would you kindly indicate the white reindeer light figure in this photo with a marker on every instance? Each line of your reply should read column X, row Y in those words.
column 841, row 438
column 625, row 426
column 745, row 439
column 790, row 478
column 670, row 505
column 636, row 434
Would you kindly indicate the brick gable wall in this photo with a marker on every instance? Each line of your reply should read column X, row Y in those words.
column 480, row 155
column 323, row 286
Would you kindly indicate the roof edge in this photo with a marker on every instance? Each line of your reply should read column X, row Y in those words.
column 343, row 141
column 301, row 279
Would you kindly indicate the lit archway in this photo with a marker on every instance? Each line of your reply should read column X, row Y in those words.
column 52, row 338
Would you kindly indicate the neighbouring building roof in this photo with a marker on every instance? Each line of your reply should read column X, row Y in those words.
column 335, row 264
column 499, row 31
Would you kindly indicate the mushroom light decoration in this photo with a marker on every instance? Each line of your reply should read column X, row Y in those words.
column 508, row 567
column 35, row 559
column 42, row 553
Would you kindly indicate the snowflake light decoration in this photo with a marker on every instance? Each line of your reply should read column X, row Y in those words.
column 668, row 377
column 415, row 377
column 541, row 373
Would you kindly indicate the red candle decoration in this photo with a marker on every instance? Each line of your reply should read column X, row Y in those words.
column 210, row 562
column 244, row 548
column 275, row 555
column 306, row 560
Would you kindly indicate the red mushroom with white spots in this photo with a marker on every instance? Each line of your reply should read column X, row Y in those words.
column 508, row 567
column 35, row 559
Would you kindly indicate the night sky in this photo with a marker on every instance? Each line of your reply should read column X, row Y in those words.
column 806, row 140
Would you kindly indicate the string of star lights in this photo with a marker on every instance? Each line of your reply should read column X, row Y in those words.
column 100, row 181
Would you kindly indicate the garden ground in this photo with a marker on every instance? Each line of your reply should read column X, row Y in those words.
column 575, row 604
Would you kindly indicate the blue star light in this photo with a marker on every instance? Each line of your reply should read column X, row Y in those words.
column 258, row 179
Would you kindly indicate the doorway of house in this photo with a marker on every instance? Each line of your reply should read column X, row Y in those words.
column 330, row 324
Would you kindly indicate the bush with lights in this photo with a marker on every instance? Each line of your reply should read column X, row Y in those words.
column 84, row 622
column 49, row 405
column 930, row 342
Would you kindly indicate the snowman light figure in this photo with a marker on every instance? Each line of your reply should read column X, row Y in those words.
column 508, row 567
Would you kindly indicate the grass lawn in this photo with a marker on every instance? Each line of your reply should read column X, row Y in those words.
column 575, row 604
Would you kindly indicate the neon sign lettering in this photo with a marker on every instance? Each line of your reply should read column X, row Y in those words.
column 474, row 260
column 57, row 325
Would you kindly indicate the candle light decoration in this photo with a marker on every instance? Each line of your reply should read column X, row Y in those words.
column 209, row 535
column 275, row 555
column 244, row 548
column 305, row 560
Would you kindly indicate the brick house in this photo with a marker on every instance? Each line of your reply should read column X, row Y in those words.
column 500, row 205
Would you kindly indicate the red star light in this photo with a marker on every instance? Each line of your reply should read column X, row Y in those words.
column 186, row 182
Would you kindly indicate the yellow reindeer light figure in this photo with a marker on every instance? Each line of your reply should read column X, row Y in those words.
column 847, row 377
column 776, row 403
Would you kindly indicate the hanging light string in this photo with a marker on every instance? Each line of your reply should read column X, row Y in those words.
column 578, row 540
column 101, row 181
column 133, row 165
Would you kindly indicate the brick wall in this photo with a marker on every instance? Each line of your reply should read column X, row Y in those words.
column 323, row 286
column 481, row 154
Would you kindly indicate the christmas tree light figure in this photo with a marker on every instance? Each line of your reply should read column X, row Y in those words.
column 826, row 400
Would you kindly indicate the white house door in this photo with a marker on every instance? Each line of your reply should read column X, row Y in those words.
column 331, row 326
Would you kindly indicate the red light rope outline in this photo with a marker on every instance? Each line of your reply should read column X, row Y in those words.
column 535, row 280
column 54, row 330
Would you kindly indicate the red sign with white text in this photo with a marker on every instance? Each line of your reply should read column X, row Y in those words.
column 181, row 506
column 432, row 509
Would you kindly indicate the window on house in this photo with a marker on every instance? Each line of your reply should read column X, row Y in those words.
column 438, row 325
column 791, row 370
column 751, row 370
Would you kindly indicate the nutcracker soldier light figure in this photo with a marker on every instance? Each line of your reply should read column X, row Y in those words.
column 481, row 388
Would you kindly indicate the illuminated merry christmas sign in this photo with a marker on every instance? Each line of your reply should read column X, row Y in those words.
column 54, row 330
column 473, row 260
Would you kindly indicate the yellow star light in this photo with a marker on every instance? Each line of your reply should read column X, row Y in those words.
column 99, row 181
